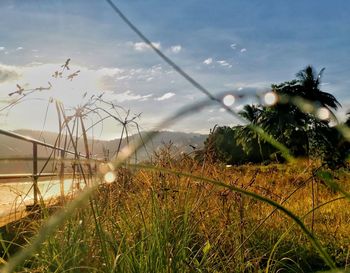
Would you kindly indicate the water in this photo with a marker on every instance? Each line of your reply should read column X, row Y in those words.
column 15, row 196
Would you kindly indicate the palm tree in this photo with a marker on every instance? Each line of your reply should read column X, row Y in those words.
column 251, row 113
column 287, row 122
column 247, row 137
column 300, row 132
column 310, row 82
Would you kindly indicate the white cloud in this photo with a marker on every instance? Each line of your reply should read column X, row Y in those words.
column 243, row 50
column 8, row 73
column 214, row 119
column 2, row 48
column 208, row 61
column 110, row 71
column 233, row 46
column 156, row 69
column 166, row 96
column 123, row 77
column 146, row 97
column 19, row 48
column 224, row 63
column 141, row 46
column 127, row 96
column 239, row 107
column 248, row 85
column 36, row 63
column 176, row 49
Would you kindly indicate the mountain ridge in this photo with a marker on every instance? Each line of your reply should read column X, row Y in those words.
column 182, row 140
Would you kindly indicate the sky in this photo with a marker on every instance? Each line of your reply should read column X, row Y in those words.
column 239, row 46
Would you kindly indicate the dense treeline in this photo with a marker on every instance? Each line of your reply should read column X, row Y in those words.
column 301, row 119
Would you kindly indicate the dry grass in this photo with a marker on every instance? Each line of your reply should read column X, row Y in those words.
column 150, row 221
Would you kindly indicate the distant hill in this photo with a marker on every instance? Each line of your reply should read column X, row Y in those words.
column 177, row 142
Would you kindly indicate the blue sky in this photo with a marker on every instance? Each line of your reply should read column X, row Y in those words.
column 225, row 45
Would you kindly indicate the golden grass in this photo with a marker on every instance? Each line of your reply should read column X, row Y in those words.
column 170, row 223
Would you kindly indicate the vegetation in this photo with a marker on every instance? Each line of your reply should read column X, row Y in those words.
column 294, row 120
column 162, row 222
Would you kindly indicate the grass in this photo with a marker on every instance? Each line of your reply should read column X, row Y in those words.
column 159, row 221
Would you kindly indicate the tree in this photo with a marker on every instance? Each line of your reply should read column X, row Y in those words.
column 287, row 124
column 294, row 128
column 257, row 149
column 220, row 145
column 309, row 88
column 302, row 133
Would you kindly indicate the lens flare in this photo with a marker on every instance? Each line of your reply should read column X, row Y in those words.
column 270, row 98
column 323, row 113
column 228, row 100
column 307, row 107
column 110, row 177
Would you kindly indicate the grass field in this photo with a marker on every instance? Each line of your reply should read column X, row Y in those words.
column 156, row 221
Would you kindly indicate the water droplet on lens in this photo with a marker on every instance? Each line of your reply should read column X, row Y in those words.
column 110, row 177
column 228, row 100
column 270, row 98
column 323, row 113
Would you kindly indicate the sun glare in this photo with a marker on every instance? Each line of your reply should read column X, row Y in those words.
column 69, row 91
